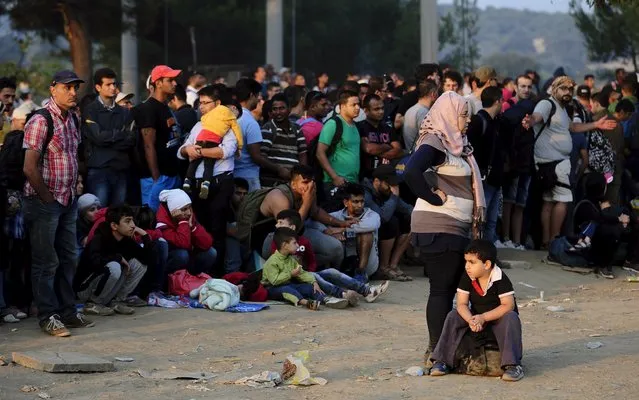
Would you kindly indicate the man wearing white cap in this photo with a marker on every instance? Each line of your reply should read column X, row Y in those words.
column 124, row 100
column 161, row 136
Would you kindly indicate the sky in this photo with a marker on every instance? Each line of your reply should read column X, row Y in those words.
column 534, row 5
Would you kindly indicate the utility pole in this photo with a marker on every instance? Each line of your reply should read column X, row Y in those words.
column 129, row 42
column 429, row 40
column 274, row 33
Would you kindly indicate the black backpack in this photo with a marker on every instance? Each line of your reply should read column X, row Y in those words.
column 12, row 153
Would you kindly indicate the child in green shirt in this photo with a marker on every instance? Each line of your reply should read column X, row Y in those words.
column 285, row 279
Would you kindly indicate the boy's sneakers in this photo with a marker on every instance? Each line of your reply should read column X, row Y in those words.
column 513, row 373
column 607, row 273
column 376, row 291
column 98, row 309
column 78, row 321
column 135, row 301
column 440, row 369
column 334, row 302
column 204, row 190
column 186, row 186
column 511, row 245
column 54, row 327
column 122, row 308
column 352, row 297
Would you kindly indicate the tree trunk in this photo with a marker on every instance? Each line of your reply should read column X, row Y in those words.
column 79, row 45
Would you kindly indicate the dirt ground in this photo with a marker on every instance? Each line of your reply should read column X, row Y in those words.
column 359, row 350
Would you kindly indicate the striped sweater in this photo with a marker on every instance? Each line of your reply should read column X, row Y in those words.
column 454, row 178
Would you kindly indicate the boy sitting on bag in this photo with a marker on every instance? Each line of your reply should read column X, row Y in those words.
column 493, row 307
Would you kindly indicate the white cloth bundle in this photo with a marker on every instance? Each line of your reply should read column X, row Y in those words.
column 217, row 294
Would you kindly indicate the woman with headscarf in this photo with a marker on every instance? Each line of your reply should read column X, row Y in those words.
column 445, row 177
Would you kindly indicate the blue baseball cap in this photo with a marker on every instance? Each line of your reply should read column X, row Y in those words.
column 66, row 76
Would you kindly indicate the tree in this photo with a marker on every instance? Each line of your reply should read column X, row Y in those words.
column 465, row 50
column 609, row 31
column 81, row 22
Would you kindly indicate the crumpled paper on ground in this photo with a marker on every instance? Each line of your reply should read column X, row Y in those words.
column 266, row 379
column 295, row 373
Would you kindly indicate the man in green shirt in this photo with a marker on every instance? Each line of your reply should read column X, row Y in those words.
column 341, row 163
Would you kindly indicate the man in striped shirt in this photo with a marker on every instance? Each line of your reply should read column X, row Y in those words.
column 283, row 145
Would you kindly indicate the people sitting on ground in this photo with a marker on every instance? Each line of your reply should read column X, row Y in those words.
column 285, row 279
column 382, row 196
column 485, row 305
column 305, row 256
column 215, row 124
column 113, row 264
column 190, row 245
column 300, row 194
column 89, row 209
column 361, row 258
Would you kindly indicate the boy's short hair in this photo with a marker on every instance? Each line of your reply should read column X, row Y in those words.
column 304, row 171
column 145, row 217
column 490, row 96
column 283, row 236
column 241, row 183
column 292, row 216
column 115, row 213
column 484, row 249
column 353, row 189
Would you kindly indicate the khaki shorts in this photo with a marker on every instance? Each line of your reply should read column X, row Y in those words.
column 560, row 194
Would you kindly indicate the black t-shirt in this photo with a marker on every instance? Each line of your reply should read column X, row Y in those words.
column 168, row 136
column 186, row 117
column 410, row 99
column 382, row 134
column 480, row 304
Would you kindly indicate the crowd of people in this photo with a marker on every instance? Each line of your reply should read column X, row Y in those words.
column 333, row 187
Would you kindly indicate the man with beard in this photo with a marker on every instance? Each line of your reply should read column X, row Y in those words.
column 283, row 145
column 553, row 146
column 382, row 196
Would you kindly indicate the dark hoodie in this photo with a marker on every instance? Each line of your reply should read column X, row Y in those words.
column 103, row 249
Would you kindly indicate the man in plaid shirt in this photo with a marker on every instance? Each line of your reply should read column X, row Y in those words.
column 50, row 208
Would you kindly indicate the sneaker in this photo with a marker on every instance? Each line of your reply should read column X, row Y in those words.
column 122, row 308
column 352, row 297
column 54, row 327
column 631, row 267
column 606, row 273
column 438, row 369
column 334, row 302
column 98, row 309
column 135, row 301
column 16, row 312
column 186, row 186
column 78, row 321
column 520, row 247
column 498, row 244
column 376, row 291
column 204, row 190
column 513, row 373
column 509, row 244
column 10, row 319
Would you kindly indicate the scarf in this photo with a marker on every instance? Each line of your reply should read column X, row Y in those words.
column 443, row 121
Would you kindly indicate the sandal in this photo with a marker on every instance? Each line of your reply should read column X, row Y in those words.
column 313, row 305
column 401, row 275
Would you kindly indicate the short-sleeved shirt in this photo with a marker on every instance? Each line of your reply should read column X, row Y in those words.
column 245, row 167
column 380, row 134
column 412, row 122
column 498, row 286
column 281, row 146
column 474, row 104
column 168, row 136
column 60, row 164
column 345, row 160
column 554, row 143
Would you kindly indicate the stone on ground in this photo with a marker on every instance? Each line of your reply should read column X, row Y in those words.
column 50, row 361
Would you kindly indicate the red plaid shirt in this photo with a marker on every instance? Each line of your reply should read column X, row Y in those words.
column 60, row 165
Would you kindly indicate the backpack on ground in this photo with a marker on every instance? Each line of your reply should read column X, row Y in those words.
column 12, row 154
column 248, row 212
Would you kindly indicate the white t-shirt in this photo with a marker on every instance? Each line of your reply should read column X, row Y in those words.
column 412, row 122
column 555, row 142
column 474, row 104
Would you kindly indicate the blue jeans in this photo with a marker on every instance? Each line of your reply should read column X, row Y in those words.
column 196, row 261
column 294, row 292
column 108, row 186
column 333, row 283
column 151, row 190
column 52, row 234
column 236, row 255
column 493, row 195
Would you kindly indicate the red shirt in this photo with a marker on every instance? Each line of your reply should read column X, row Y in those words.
column 60, row 165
